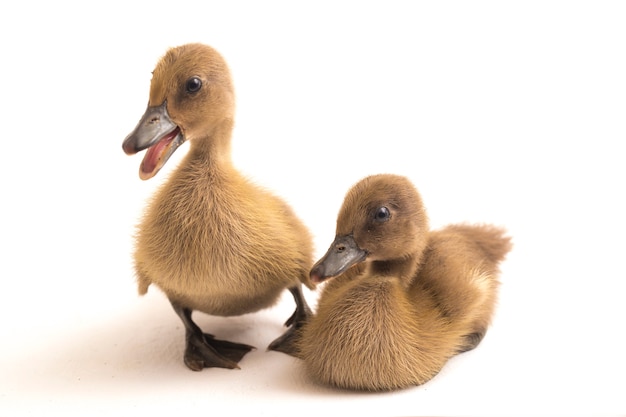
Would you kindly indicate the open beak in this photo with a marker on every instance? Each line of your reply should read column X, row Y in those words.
column 157, row 133
column 342, row 254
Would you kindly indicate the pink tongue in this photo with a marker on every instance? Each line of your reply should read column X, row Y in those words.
column 154, row 154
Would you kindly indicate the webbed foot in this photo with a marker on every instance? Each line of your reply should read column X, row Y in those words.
column 208, row 352
column 288, row 341
column 472, row 340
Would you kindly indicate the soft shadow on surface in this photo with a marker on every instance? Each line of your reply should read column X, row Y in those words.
column 132, row 360
column 143, row 345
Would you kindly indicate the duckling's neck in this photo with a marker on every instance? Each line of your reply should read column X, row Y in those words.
column 213, row 149
column 405, row 269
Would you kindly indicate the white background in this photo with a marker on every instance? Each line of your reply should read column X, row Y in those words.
column 513, row 114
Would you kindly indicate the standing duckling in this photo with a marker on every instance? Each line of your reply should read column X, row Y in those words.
column 210, row 239
column 405, row 299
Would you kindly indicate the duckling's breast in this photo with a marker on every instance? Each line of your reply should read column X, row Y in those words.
column 221, row 251
column 366, row 336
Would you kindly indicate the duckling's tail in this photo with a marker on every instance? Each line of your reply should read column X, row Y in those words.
column 492, row 240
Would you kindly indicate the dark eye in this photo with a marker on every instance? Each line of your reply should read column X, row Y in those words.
column 382, row 214
column 193, row 85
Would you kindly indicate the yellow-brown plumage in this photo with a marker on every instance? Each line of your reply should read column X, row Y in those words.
column 210, row 239
column 405, row 299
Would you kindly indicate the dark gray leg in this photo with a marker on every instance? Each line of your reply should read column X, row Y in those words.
column 203, row 350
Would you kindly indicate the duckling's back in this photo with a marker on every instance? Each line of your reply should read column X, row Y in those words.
column 461, row 269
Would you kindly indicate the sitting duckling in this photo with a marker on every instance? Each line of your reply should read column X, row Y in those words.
column 210, row 239
column 405, row 299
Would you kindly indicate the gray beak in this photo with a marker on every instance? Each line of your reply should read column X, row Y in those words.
column 154, row 124
column 342, row 254
column 159, row 134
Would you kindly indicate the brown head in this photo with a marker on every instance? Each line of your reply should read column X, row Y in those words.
column 382, row 220
column 191, row 97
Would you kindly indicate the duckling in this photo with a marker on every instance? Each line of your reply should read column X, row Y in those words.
column 404, row 299
column 210, row 239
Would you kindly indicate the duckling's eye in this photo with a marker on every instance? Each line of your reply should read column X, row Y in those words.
column 382, row 214
column 193, row 85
